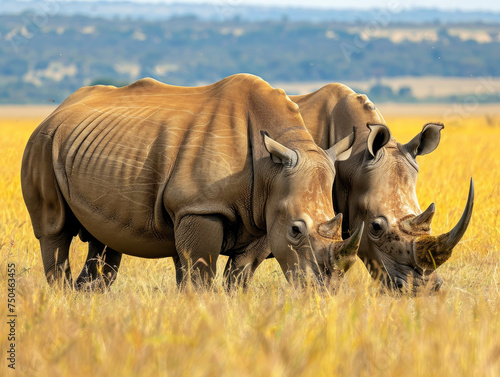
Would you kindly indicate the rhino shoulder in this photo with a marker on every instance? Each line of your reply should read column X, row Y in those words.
column 338, row 93
column 243, row 83
column 255, row 91
column 335, row 89
column 145, row 83
column 275, row 96
column 323, row 99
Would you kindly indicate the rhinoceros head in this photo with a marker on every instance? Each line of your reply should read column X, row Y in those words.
column 397, row 246
column 304, row 234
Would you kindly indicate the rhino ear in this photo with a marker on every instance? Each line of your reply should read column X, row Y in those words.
column 378, row 137
column 342, row 150
column 279, row 153
column 426, row 141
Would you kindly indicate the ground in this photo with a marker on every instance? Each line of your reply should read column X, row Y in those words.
column 145, row 326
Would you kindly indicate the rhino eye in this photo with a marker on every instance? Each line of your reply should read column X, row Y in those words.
column 378, row 226
column 297, row 229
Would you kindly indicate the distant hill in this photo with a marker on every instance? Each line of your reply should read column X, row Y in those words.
column 227, row 10
column 46, row 56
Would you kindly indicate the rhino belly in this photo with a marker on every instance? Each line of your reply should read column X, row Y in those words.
column 126, row 216
column 126, row 237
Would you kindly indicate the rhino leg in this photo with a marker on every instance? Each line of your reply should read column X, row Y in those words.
column 53, row 223
column 198, row 240
column 240, row 268
column 179, row 271
column 55, row 252
column 101, row 267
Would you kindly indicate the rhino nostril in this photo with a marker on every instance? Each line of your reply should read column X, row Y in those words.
column 397, row 284
column 437, row 284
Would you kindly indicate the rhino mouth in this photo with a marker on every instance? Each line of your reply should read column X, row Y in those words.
column 312, row 272
column 404, row 277
column 413, row 282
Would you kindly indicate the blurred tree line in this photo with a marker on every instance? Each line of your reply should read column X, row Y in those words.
column 46, row 62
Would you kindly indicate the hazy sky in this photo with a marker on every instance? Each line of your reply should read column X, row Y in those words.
column 443, row 4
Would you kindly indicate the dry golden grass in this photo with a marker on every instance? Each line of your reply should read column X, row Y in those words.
column 145, row 327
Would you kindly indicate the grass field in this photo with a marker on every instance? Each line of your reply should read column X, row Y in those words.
column 145, row 327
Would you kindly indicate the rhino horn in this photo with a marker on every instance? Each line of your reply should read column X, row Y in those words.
column 421, row 222
column 344, row 255
column 332, row 228
column 430, row 252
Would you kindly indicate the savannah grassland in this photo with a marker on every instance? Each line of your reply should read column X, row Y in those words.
column 144, row 326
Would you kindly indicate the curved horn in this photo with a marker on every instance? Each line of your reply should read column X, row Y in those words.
column 425, row 217
column 343, row 255
column 331, row 228
column 430, row 252
column 351, row 245
column 420, row 222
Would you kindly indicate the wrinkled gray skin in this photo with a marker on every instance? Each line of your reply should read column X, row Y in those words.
column 152, row 170
column 377, row 185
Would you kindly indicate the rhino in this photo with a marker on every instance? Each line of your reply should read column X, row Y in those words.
column 153, row 170
column 376, row 185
